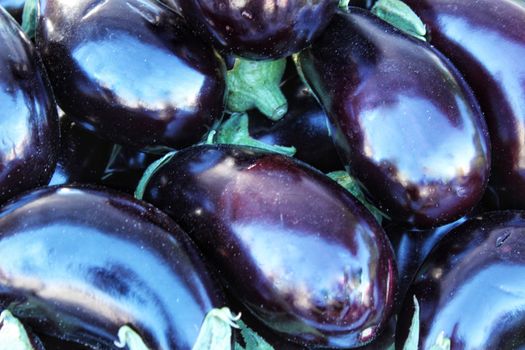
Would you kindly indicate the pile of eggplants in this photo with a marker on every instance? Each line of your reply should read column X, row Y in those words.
column 382, row 208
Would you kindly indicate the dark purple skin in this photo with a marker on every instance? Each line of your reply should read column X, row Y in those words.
column 51, row 343
column 463, row 31
column 14, row 7
column 401, row 113
column 294, row 247
column 131, row 71
column 259, row 29
column 305, row 126
column 85, row 158
column 79, row 263
column 28, row 117
column 469, row 287
column 411, row 248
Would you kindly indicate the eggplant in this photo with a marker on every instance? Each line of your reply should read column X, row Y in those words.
column 259, row 29
column 131, row 71
column 79, row 263
column 304, row 126
column 464, row 31
column 29, row 122
column 14, row 7
column 407, row 125
column 296, row 249
column 468, row 291
column 85, row 158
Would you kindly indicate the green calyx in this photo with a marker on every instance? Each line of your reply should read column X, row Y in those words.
column 150, row 171
column 235, row 131
column 129, row 339
column 401, row 16
column 30, row 18
column 216, row 330
column 255, row 84
column 13, row 335
column 352, row 186
column 412, row 341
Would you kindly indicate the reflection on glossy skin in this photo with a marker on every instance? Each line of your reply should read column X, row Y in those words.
column 295, row 248
column 485, row 39
column 469, row 287
column 28, row 118
column 259, row 29
column 406, row 123
column 80, row 263
column 305, row 126
column 14, row 7
column 130, row 70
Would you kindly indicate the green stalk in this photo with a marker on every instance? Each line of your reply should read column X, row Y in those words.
column 255, row 84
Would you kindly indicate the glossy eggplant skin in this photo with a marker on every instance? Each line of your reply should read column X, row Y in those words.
column 259, row 29
column 294, row 247
column 85, row 158
column 131, row 71
column 28, row 118
column 464, row 31
column 79, row 263
column 14, row 7
column 305, row 126
column 402, row 113
column 468, row 286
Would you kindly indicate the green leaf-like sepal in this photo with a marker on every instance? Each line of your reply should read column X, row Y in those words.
column 401, row 16
column 30, row 18
column 150, row 171
column 352, row 186
column 13, row 335
column 252, row 340
column 235, row 131
column 216, row 330
column 256, row 84
column 129, row 339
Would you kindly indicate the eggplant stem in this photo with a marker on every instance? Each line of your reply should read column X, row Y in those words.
column 401, row 16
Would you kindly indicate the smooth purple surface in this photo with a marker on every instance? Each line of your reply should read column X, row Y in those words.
column 485, row 40
column 293, row 246
column 407, row 125
column 470, row 288
column 130, row 70
column 259, row 29
column 78, row 263
column 28, row 117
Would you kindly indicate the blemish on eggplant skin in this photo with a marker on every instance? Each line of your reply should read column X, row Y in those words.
column 501, row 239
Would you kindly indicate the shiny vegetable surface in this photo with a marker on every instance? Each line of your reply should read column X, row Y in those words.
column 258, row 29
column 407, row 125
column 293, row 246
column 469, row 289
column 28, row 117
column 130, row 70
column 14, row 7
column 485, row 40
column 80, row 263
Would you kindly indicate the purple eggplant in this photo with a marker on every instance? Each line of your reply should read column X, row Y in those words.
column 14, row 7
column 131, row 71
column 469, row 289
column 80, row 263
column 407, row 125
column 258, row 29
column 304, row 126
column 485, row 40
column 85, row 158
column 294, row 247
column 29, row 121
